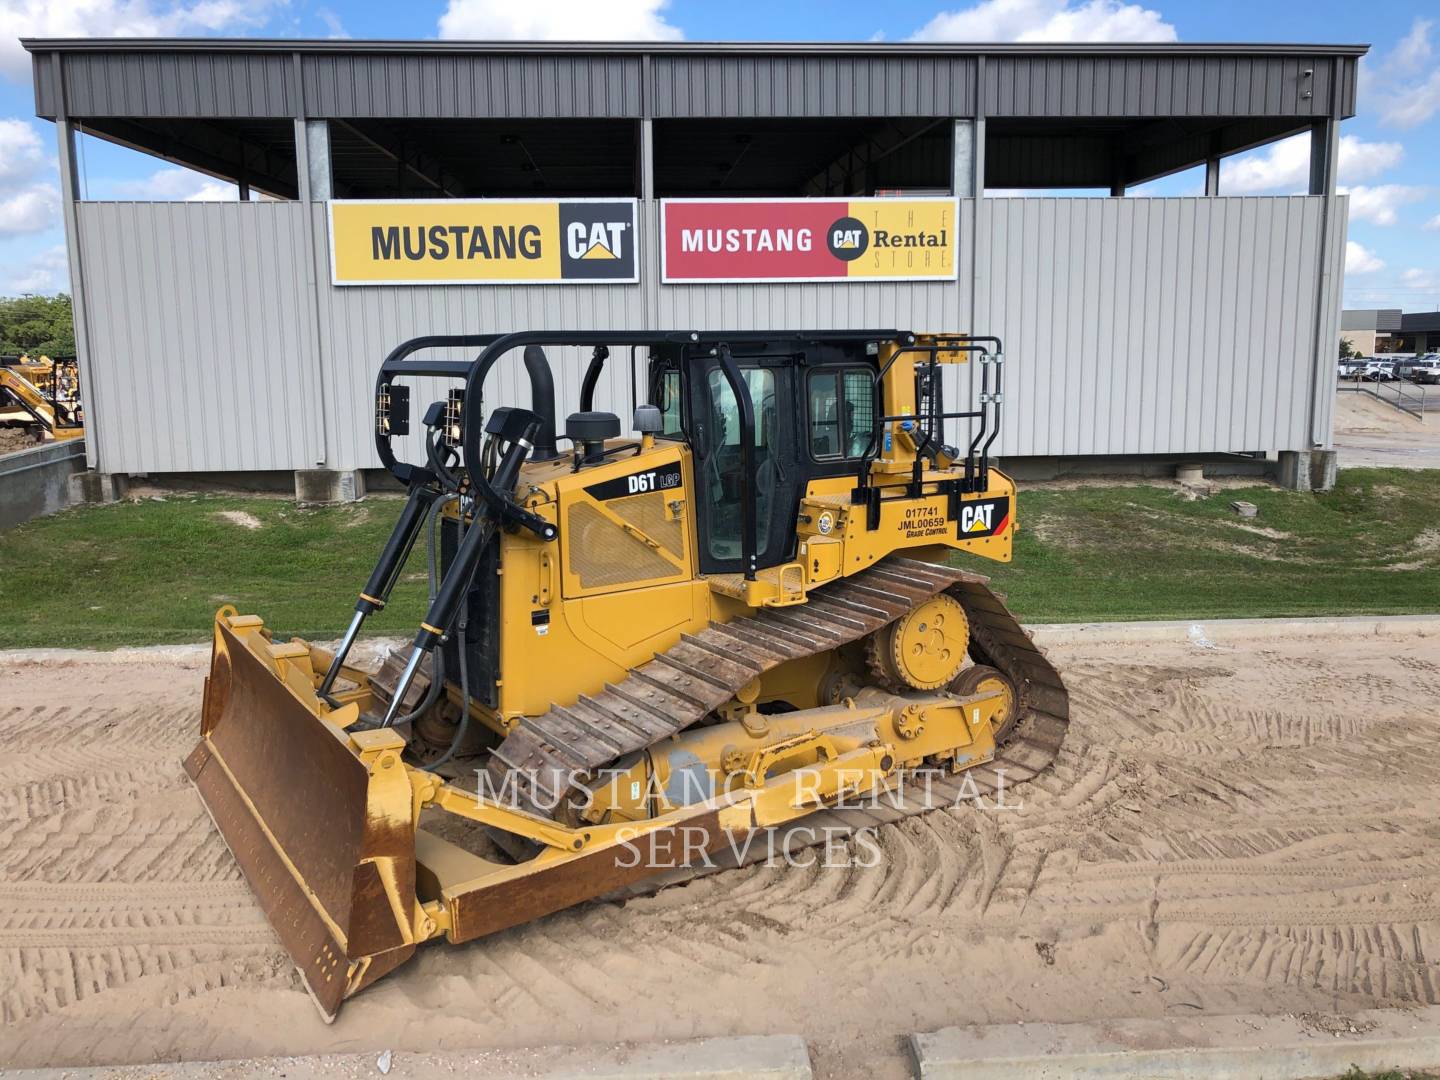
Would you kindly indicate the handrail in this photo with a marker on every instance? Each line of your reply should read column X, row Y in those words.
column 493, row 346
column 955, row 343
column 1403, row 393
column 402, row 361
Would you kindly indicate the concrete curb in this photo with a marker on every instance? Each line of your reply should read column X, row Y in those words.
column 764, row 1057
column 1198, row 631
column 1204, row 1048
column 1203, row 631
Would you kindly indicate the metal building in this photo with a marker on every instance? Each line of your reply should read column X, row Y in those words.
column 1365, row 328
column 244, row 336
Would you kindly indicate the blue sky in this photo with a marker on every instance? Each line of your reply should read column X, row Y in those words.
column 1390, row 159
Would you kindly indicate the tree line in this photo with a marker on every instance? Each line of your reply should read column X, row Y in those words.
column 36, row 325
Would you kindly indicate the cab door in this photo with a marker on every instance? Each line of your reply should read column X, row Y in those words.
column 777, row 481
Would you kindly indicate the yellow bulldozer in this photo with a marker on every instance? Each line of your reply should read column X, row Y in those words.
column 42, row 396
column 730, row 636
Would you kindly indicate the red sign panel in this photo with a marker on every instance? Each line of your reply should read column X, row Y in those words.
column 807, row 239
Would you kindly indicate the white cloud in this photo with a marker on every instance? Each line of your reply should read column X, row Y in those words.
column 173, row 184
column 30, row 208
column 1378, row 205
column 335, row 29
column 29, row 194
column 118, row 18
column 1410, row 108
column 558, row 20
column 1360, row 259
column 46, row 273
column 21, row 152
column 1433, row 224
column 1285, row 165
column 1048, row 20
column 1403, row 85
column 1412, row 54
column 1416, row 278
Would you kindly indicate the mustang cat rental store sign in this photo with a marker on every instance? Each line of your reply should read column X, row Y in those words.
column 594, row 241
column 482, row 241
column 736, row 240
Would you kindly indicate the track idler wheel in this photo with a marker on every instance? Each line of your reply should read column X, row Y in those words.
column 983, row 679
column 924, row 649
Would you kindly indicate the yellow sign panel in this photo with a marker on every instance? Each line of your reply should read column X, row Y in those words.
column 482, row 241
column 908, row 238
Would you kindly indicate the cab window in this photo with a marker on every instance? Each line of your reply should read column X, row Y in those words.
column 723, row 470
column 842, row 413
column 670, row 405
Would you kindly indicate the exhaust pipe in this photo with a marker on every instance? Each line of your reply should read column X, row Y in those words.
column 542, row 403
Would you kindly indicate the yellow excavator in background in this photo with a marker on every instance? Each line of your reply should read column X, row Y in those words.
column 733, row 635
column 43, row 396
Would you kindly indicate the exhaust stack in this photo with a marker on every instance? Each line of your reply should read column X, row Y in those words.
column 542, row 402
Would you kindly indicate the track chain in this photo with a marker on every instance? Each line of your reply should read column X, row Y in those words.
column 997, row 639
column 680, row 686
column 705, row 670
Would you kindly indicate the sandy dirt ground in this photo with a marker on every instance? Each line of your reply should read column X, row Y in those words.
column 13, row 439
column 1370, row 433
column 1246, row 828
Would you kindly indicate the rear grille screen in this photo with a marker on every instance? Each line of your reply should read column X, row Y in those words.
column 603, row 553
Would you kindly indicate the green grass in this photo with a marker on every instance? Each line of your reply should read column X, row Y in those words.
column 148, row 572
column 153, row 572
column 1370, row 547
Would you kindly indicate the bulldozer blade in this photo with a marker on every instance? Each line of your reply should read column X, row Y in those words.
column 321, row 830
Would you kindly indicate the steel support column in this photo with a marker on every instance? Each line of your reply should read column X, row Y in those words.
column 1212, row 176
column 1324, row 157
column 317, row 275
column 69, row 195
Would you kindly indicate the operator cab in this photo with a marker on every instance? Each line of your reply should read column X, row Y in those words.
column 814, row 410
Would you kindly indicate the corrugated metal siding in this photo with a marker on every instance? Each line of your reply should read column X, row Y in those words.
column 450, row 85
column 197, row 82
column 1152, row 326
column 1156, row 85
column 799, row 85
column 190, row 84
column 47, row 96
column 1349, row 78
column 1132, row 326
column 199, row 322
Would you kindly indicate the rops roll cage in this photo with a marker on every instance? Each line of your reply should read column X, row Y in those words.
column 700, row 348
column 928, row 444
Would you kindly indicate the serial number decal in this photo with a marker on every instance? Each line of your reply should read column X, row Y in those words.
column 922, row 521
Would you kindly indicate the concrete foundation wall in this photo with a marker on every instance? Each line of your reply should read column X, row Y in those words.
column 36, row 482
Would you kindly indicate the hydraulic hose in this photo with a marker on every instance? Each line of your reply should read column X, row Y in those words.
column 453, row 588
column 463, row 626
column 437, row 673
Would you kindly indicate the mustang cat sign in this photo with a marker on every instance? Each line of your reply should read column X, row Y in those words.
column 807, row 240
column 482, row 241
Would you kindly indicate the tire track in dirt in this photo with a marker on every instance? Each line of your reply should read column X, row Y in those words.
column 1253, row 829
column 60, row 944
column 111, row 879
